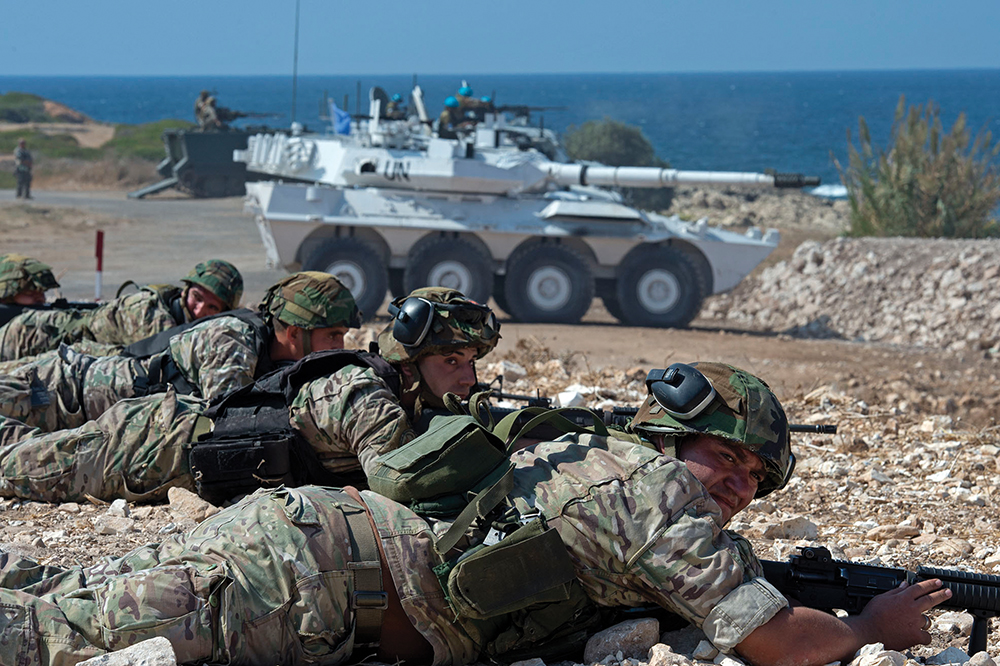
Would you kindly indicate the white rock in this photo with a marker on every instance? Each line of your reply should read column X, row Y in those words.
column 153, row 652
column 185, row 503
column 529, row 662
column 958, row 623
column 509, row 370
column 570, row 399
column 632, row 638
column 705, row 651
column 950, row 655
column 105, row 524
column 798, row 527
column 118, row 508
column 662, row 655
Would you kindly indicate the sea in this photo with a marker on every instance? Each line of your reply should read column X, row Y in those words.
column 787, row 121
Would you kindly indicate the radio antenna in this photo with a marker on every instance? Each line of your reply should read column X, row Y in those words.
column 295, row 62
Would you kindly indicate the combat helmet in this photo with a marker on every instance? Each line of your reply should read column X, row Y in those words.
column 19, row 273
column 451, row 102
column 724, row 401
column 436, row 320
column 219, row 277
column 310, row 299
column 465, row 91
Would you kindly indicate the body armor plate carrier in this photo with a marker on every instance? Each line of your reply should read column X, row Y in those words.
column 253, row 444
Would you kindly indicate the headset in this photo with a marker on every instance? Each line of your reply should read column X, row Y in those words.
column 681, row 390
column 413, row 317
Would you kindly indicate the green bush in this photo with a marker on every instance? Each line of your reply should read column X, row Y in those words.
column 617, row 144
column 925, row 183
column 56, row 145
column 17, row 107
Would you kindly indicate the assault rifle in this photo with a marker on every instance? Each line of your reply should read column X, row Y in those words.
column 814, row 578
column 10, row 310
column 617, row 417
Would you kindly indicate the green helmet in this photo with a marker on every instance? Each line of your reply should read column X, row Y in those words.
column 743, row 411
column 219, row 277
column 309, row 300
column 19, row 273
column 436, row 320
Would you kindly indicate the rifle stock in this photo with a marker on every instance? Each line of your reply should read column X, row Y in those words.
column 816, row 580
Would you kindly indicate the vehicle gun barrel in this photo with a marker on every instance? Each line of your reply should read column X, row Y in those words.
column 653, row 177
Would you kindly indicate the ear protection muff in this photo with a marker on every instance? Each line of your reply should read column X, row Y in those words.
column 411, row 320
column 681, row 390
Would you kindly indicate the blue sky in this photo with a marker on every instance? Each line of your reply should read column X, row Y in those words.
column 246, row 37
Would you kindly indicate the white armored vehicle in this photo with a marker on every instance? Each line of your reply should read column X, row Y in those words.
column 390, row 209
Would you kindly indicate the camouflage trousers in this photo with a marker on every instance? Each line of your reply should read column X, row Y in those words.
column 37, row 331
column 88, row 347
column 136, row 450
column 266, row 581
column 63, row 389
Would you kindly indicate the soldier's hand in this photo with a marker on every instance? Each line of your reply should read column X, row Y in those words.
column 897, row 617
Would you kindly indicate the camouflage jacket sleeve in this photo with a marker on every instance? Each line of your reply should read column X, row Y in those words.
column 129, row 319
column 350, row 418
column 642, row 529
column 217, row 356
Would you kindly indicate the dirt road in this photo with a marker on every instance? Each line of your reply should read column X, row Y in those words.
column 159, row 239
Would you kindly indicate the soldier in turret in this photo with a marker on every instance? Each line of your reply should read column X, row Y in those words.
column 395, row 109
column 210, row 288
column 322, row 575
column 451, row 119
column 22, row 169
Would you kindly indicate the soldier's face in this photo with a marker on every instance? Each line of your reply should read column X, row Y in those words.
column 33, row 297
column 327, row 338
column 203, row 303
column 729, row 472
column 454, row 372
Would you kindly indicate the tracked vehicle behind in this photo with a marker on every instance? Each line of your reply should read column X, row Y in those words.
column 541, row 237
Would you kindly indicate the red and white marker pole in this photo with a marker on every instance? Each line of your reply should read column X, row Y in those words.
column 99, row 253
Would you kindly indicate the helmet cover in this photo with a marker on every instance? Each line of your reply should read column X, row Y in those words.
column 219, row 277
column 458, row 322
column 745, row 412
column 19, row 273
column 311, row 299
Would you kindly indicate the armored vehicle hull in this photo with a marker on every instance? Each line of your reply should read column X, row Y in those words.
column 393, row 209
column 541, row 259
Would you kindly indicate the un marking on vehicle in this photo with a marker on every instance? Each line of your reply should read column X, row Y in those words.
column 396, row 170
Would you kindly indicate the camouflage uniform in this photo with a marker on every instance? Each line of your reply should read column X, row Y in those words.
column 22, row 170
column 64, row 389
column 122, row 321
column 269, row 580
column 348, row 418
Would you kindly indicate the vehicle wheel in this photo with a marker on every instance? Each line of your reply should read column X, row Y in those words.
column 454, row 263
column 356, row 264
column 606, row 292
column 658, row 286
column 396, row 283
column 548, row 283
column 498, row 293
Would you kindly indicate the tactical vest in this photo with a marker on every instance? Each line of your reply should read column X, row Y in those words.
column 252, row 443
column 163, row 371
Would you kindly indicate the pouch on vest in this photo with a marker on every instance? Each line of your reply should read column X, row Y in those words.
column 456, row 455
column 230, row 466
column 531, row 566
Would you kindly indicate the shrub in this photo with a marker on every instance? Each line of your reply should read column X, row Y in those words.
column 17, row 107
column 926, row 183
column 617, row 144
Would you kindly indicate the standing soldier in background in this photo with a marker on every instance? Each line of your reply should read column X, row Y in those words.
column 64, row 389
column 211, row 287
column 22, row 169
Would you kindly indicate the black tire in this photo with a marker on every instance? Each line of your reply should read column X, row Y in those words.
column 396, row 287
column 658, row 286
column 499, row 297
column 358, row 265
column 548, row 283
column 606, row 292
column 450, row 262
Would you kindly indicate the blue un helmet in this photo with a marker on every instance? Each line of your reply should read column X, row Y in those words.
column 451, row 102
column 397, row 98
column 485, row 99
column 465, row 91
